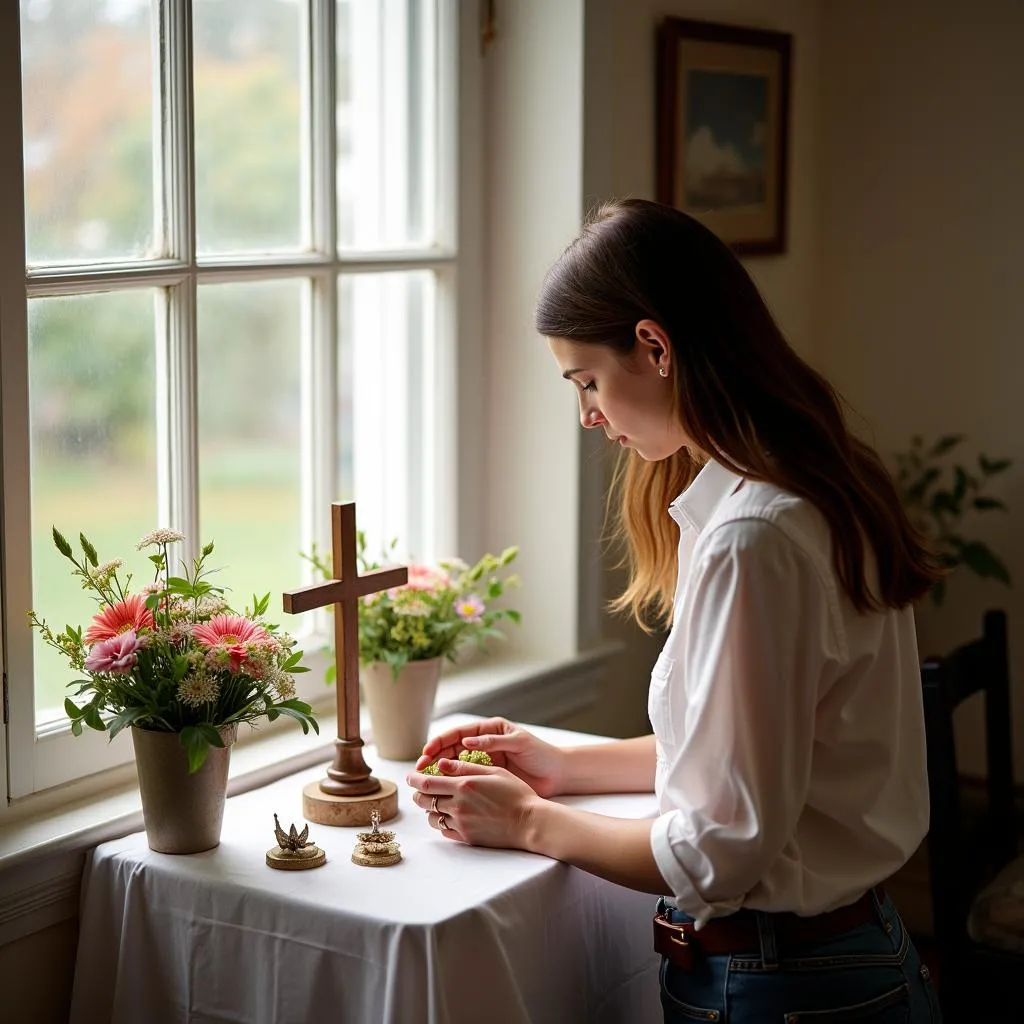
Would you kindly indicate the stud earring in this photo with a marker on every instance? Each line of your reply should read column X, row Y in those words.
column 662, row 371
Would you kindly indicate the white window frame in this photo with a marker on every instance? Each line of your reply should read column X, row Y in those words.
column 38, row 760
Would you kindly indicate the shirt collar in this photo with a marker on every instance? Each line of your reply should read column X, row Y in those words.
column 710, row 487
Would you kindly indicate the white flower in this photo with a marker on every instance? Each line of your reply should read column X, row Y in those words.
column 199, row 688
column 284, row 684
column 207, row 607
column 159, row 537
column 107, row 569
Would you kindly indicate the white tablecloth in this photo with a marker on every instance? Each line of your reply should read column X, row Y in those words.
column 451, row 935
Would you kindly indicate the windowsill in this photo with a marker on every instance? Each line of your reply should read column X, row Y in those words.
column 525, row 690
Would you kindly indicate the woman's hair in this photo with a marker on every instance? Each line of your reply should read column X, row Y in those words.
column 742, row 395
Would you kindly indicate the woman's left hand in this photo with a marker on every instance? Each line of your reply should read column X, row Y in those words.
column 482, row 805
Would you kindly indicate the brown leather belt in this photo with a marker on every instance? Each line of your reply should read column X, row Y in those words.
column 738, row 933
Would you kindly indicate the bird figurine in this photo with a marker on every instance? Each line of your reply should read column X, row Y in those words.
column 294, row 851
column 290, row 840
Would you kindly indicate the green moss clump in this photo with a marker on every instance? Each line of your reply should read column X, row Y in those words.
column 472, row 756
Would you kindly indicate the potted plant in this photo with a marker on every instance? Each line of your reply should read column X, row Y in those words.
column 406, row 633
column 173, row 662
column 938, row 493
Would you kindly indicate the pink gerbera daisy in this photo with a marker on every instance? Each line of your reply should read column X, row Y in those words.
column 120, row 617
column 232, row 634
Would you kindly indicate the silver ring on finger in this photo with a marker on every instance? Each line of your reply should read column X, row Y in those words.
column 433, row 805
column 442, row 822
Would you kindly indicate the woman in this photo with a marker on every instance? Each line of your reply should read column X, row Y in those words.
column 788, row 752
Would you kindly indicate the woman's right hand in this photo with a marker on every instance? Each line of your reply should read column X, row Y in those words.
column 540, row 765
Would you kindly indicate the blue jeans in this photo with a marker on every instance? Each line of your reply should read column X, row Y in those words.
column 870, row 974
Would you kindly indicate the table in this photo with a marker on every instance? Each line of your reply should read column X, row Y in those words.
column 451, row 935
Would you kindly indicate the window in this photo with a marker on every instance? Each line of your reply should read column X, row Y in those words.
column 238, row 307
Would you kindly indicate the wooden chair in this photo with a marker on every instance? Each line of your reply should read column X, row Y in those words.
column 977, row 878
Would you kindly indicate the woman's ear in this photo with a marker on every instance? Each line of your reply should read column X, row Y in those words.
column 653, row 346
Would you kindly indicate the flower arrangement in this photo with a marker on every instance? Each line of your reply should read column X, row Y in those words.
column 438, row 611
column 173, row 656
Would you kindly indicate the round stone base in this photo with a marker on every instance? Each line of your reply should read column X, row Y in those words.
column 324, row 809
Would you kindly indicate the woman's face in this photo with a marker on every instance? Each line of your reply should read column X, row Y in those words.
column 626, row 396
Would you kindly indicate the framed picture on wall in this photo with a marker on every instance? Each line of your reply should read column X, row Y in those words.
column 723, row 129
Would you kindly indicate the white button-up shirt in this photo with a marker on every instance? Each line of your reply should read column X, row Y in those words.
column 791, row 771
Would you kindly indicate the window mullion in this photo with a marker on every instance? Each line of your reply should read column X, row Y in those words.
column 320, row 341
column 179, row 482
column 321, row 110
column 18, row 742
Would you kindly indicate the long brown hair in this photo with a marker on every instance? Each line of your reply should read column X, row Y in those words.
column 742, row 394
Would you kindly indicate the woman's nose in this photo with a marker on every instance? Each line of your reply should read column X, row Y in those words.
column 589, row 416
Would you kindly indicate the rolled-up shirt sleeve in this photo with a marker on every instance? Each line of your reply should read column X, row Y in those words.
column 751, row 642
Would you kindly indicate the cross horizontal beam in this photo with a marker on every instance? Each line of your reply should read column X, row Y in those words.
column 317, row 595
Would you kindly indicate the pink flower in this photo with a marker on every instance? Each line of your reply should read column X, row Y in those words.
column 115, row 654
column 422, row 578
column 470, row 608
column 232, row 635
column 131, row 614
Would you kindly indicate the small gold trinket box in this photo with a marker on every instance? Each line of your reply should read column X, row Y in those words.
column 376, row 848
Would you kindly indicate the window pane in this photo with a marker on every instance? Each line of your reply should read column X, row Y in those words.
column 87, row 67
column 250, row 438
column 387, row 116
column 92, row 390
column 248, row 133
column 387, row 387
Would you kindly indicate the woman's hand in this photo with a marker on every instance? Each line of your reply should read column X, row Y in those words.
column 477, row 804
column 540, row 765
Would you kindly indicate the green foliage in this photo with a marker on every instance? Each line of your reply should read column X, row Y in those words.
column 937, row 494
column 185, row 662
column 433, row 615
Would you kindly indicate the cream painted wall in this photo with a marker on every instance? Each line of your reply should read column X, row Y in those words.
column 619, row 160
column 920, row 320
column 533, row 81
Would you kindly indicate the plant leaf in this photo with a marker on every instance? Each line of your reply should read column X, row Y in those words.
column 90, row 551
column 916, row 491
column 980, row 559
column 945, row 444
column 944, row 501
column 62, row 545
column 195, row 746
column 91, row 717
column 990, row 468
column 123, row 718
column 983, row 504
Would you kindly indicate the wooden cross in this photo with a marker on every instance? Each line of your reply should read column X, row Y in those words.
column 349, row 775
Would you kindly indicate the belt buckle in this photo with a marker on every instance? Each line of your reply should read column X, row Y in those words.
column 679, row 947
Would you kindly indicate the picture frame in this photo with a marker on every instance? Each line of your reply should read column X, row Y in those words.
column 723, row 129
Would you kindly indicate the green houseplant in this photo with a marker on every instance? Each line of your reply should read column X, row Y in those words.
column 938, row 492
